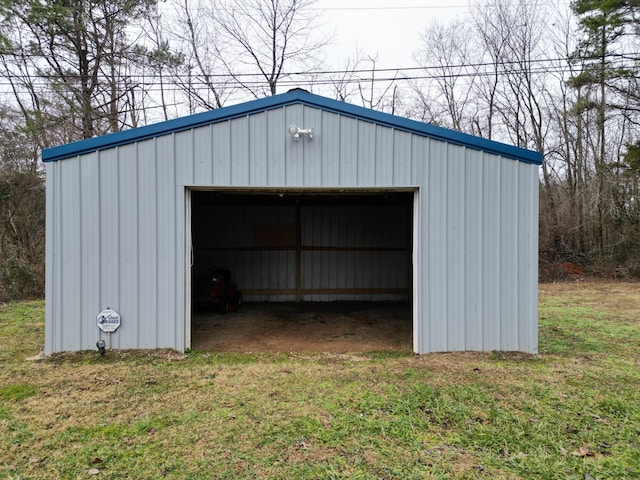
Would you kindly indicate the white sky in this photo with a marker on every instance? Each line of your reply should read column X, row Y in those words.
column 388, row 28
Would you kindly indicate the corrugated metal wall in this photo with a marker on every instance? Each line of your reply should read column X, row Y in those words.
column 306, row 250
column 117, row 226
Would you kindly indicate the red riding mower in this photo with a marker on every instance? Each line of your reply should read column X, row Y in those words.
column 217, row 290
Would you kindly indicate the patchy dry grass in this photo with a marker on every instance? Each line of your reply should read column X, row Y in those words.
column 571, row 412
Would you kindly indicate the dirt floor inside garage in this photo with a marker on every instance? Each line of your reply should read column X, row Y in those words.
column 305, row 327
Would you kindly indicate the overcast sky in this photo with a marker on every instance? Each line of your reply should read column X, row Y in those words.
column 389, row 29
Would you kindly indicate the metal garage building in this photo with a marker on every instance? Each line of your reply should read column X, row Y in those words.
column 304, row 198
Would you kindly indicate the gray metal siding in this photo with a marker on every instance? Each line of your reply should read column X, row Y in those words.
column 226, row 239
column 343, row 247
column 90, row 245
column 473, row 250
column 373, row 246
column 435, row 244
column 168, row 231
column 481, row 252
column 70, row 233
column 116, row 223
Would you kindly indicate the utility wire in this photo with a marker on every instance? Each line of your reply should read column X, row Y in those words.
column 558, row 65
column 425, row 7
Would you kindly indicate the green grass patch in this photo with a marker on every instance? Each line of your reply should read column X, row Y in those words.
column 17, row 392
column 21, row 330
column 567, row 328
column 571, row 412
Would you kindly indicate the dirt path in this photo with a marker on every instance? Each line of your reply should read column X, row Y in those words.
column 299, row 327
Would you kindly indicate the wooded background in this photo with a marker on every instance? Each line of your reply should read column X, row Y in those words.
column 563, row 81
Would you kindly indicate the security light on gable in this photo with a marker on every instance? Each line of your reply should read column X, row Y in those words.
column 296, row 132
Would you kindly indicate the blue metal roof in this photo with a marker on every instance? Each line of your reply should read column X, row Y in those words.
column 296, row 96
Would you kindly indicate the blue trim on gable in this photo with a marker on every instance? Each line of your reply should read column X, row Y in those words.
column 292, row 97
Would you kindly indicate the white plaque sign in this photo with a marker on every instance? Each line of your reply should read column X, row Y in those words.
column 108, row 320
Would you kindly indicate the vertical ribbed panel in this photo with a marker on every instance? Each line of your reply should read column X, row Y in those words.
column 491, row 248
column 70, row 223
column 436, row 245
column 111, row 235
column 147, row 244
column 204, row 143
column 257, row 141
column 455, row 251
column 528, row 186
column 129, row 304
column 355, row 247
column 116, row 229
column 89, row 246
column 53, row 326
column 166, row 237
column 473, row 250
column 183, row 156
column 220, row 154
column 313, row 156
column 508, row 255
column 384, row 154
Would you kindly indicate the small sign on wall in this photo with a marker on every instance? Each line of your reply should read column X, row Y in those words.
column 108, row 320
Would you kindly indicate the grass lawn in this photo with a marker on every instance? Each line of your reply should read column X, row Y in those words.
column 572, row 412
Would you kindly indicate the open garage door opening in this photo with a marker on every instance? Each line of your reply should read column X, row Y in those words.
column 301, row 271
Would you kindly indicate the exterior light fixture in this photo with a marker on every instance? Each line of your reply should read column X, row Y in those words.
column 102, row 346
column 296, row 132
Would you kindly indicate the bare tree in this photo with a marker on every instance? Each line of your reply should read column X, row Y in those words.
column 346, row 79
column 445, row 58
column 374, row 97
column 278, row 39
column 202, row 76
column 494, row 31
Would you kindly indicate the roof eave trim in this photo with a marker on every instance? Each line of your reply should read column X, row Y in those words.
column 292, row 97
column 427, row 130
column 163, row 128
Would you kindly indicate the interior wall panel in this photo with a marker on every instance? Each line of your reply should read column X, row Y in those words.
column 362, row 249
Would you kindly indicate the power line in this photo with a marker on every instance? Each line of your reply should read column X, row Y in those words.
column 557, row 64
column 422, row 7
